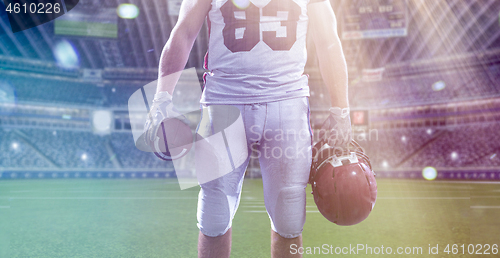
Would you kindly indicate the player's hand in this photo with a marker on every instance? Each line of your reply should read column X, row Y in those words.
column 336, row 130
column 161, row 110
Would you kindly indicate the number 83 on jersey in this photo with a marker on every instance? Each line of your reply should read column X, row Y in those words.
column 245, row 23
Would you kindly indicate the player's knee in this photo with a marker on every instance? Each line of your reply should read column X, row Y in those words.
column 215, row 228
column 214, row 213
column 289, row 213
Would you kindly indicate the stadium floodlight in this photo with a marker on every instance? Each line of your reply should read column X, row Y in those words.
column 429, row 173
column 241, row 4
column 7, row 97
column 438, row 86
column 102, row 121
column 127, row 11
column 66, row 55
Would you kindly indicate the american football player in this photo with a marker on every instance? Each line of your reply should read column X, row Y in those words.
column 256, row 58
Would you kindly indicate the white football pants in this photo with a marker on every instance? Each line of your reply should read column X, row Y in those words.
column 280, row 136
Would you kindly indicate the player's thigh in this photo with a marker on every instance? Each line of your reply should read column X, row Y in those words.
column 219, row 171
column 221, row 146
column 285, row 165
column 285, row 150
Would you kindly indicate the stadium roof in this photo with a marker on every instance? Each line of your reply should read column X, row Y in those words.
column 436, row 28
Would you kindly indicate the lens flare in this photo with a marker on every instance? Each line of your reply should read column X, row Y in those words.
column 66, row 55
column 438, row 86
column 242, row 4
column 101, row 121
column 127, row 11
column 7, row 97
column 429, row 173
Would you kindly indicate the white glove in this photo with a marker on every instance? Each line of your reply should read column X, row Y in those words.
column 162, row 109
column 336, row 129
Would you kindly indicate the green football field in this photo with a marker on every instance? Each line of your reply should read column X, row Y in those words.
column 153, row 218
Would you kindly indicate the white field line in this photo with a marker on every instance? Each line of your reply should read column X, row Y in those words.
column 59, row 181
column 195, row 198
column 100, row 198
column 423, row 198
column 266, row 211
column 485, row 207
column 439, row 185
column 427, row 191
column 4, row 207
column 262, row 206
column 472, row 182
column 384, row 198
column 100, row 191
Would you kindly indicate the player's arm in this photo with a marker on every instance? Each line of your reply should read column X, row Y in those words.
column 323, row 27
column 172, row 61
column 176, row 51
column 332, row 64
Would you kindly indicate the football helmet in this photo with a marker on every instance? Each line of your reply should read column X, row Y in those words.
column 343, row 183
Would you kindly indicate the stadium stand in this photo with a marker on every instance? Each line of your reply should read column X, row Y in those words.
column 455, row 60
column 17, row 153
column 395, row 144
column 465, row 146
column 130, row 157
column 71, row 149
column 474, row 143
column 54, row 90
column 117, row 96
column 417, row 90
column 34, row 149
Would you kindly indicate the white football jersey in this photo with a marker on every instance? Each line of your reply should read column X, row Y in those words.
column 257, row 51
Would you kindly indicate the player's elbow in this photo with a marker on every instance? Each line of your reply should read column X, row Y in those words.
column 330, row 54
column 328, row 44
